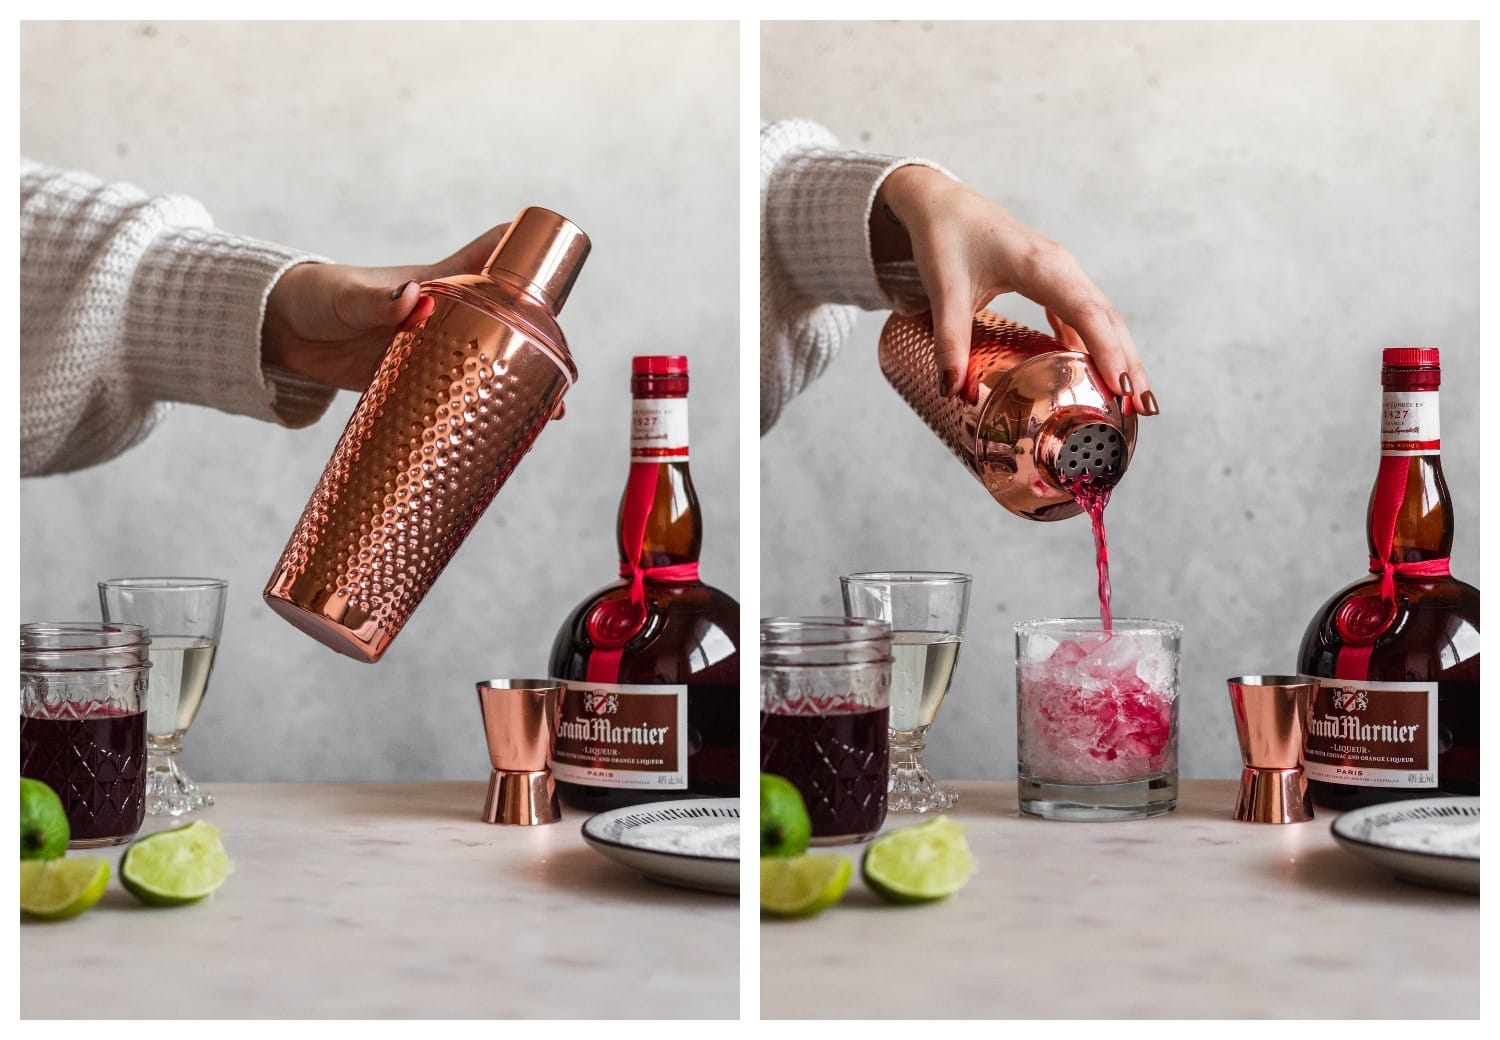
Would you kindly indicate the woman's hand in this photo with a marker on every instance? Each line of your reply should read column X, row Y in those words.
column 332, row 323
column 968, row 250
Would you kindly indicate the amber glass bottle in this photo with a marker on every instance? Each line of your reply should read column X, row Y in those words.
column 1396, row 712
column 651, row 661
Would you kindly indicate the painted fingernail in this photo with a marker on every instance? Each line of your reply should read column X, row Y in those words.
column 1148, row 403
column 400, row 290
column 1125, row 387
column 950, row 381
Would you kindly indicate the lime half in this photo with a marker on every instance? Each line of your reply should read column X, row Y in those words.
column 58, row 888
column 178, row 866
column 44, row 822
column 800, row 886
column 919, row 864
column 784, row 824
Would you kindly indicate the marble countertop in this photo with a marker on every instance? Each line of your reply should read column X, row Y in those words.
column 391, row 901
column 1187, row 915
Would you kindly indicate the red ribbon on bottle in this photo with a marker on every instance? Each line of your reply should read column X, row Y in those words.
column 1439, row 568
column 1362, row 618
column 614, row 623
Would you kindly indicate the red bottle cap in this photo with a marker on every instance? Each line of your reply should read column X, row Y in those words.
column 1410, row 357
column 658, row 365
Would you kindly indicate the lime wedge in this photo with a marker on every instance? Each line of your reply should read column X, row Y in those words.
column 784, row 824
column 58, row 888
column 919, row 864
column 800, row 886
column 178, row 866
column 44, row 822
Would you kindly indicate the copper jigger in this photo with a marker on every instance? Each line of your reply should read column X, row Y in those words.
column 1270, row 716
column 520, row 727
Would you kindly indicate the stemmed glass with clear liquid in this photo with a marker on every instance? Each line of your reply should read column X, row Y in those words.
column 183, row 617
column 927, row 611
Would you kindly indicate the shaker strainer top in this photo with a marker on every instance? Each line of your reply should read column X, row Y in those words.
column 1093, row 455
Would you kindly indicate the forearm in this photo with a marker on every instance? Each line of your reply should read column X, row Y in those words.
column 819, row 249
column 825, row 223
column 128, row 302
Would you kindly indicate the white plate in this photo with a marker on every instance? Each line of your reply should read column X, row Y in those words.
column 1428, row 841
column 639, row 837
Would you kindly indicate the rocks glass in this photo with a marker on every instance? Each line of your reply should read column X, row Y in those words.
column 825, row 694
column 1096, row 718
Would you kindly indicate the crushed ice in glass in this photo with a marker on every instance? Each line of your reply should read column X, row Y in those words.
column 1097, row 709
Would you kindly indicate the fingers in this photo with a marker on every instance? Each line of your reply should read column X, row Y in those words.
column 1135, row 384
column 1085, row 319
column 361, row 307
column 952, row 327
column 1065, row 333
column 420, row 311
column 470, row 259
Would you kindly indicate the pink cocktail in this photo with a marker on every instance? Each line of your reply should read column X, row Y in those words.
column 1096, row 717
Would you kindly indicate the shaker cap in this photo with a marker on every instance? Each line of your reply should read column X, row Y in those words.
column 1409, row 357
column 658, row 365
column 545, row 250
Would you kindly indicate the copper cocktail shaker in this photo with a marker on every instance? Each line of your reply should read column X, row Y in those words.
column 1032, row 419
column 454, row 406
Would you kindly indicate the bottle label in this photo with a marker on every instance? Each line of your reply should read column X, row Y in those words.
column 659, row 429
column 1364, row 733
column 624, row 736
column 1409, row 423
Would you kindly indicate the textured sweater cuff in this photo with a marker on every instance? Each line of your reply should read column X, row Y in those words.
column 818, row 222
column 205, row 291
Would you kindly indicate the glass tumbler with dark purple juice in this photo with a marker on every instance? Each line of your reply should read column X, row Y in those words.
column 83, row 723
column 825, row 697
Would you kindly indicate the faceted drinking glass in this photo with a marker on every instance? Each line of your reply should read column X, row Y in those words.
column 1096, row 717
column 825, row 686
column 83, row 726
column 927, row 611
column 184, row 617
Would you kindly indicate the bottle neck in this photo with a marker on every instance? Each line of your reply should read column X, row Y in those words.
column 659, row 508
column 1410, row 512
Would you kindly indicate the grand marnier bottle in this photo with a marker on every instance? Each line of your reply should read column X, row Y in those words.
column 1396, row 709
column 651, row 661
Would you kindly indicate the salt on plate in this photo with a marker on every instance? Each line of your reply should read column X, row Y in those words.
column 720, row 840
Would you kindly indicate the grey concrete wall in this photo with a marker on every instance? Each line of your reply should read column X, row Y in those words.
column 1268, row 205
column 396, row 143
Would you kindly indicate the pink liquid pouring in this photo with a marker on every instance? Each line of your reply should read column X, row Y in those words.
column 1093, row 498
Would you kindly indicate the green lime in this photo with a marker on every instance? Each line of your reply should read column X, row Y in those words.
column 58, row 888
column 178, row 866
column 919, row 864
column 784, row 824
column 44, row 823
column 800, row 886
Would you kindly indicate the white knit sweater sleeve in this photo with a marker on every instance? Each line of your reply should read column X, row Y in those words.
column 129, row 302
column 815, row 265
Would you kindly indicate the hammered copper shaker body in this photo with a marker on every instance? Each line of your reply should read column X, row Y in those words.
column 456, row 403
column 1033, row 421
